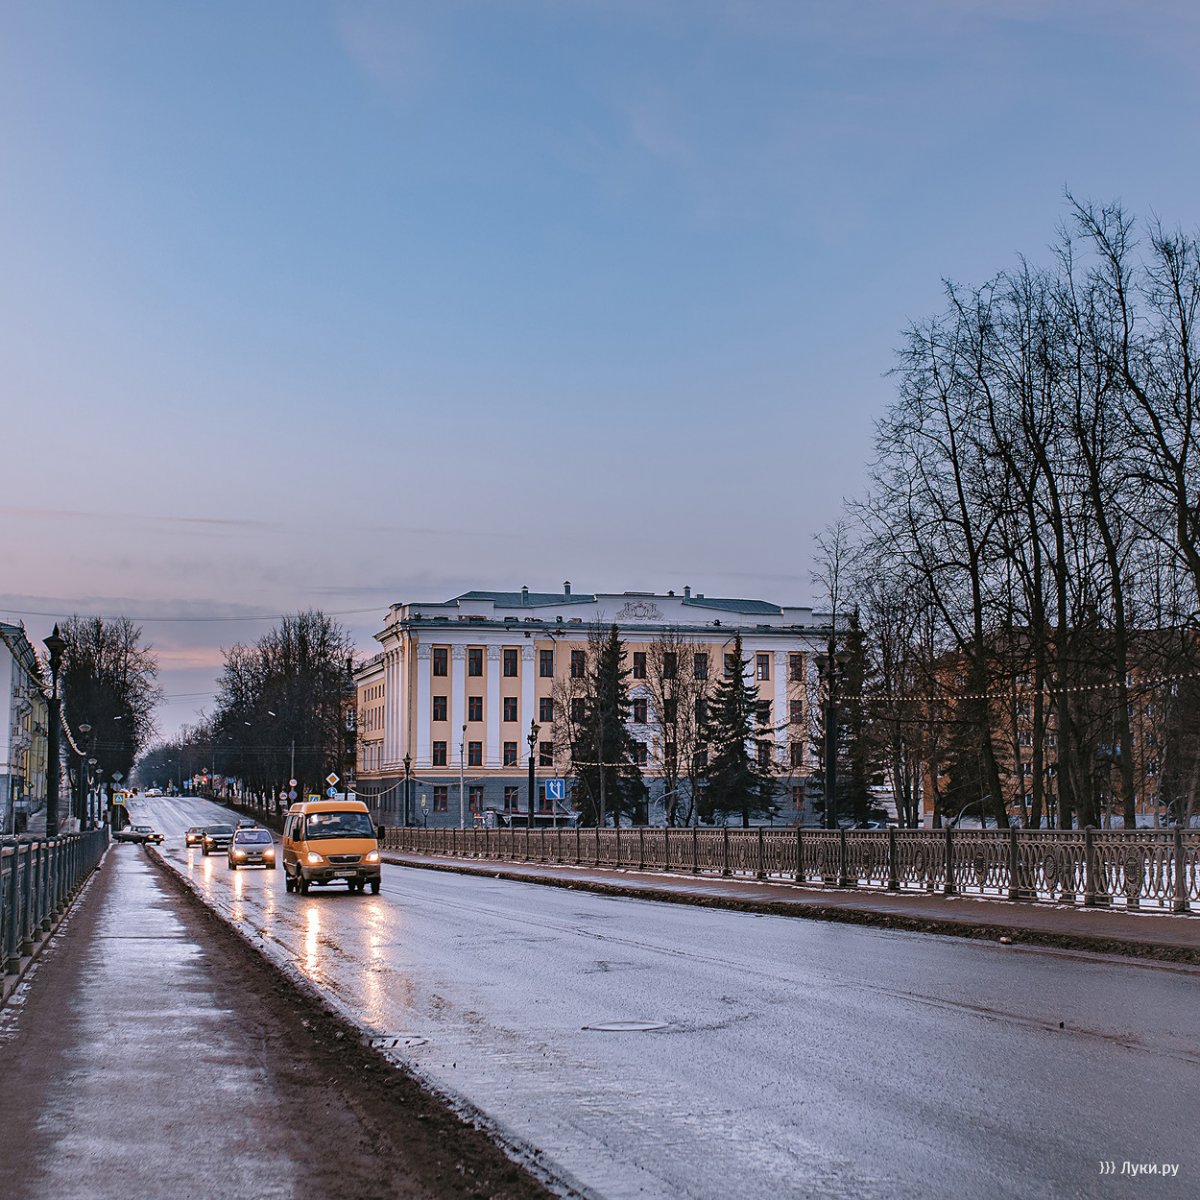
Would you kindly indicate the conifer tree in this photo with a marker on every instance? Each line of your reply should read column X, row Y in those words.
column 737, row 781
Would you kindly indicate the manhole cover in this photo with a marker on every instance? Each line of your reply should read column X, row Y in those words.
column 398, row 1041
column 626, row 1026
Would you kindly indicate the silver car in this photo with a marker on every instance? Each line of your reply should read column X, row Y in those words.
column 251, row 848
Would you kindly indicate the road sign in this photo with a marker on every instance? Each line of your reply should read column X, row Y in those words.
column 292, row 794
column 331, row 779
column 313, row 798
column 331, row 792
column 118, row 776
column 556, row 789
column 284, row 795
column 291, row 783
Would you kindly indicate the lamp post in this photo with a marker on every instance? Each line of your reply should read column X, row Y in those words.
column 93, row 821
column 55, row 646
column 407, row 789
column 462, row 806
column 81, row 775
column 534, row 727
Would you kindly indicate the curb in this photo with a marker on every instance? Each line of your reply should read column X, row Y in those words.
column 10, row 983
column 525, row 1155
column 996, row 931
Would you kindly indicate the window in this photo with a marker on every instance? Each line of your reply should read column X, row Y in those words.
column 1152, row 739
column 1027, row 768
column 546, row 664
column 670, row 665
column 441, row 799
column 639, row 712
column 439, row 708
column 639, row 664
column 795, row 754
column 796, row 668
column 578, row 709
column 796, row 712
column 1152, row 766
column 731, row 665
column 545, row 754
column 640, row 754
column 764, row 755
column 510, row 754
column 762, row 712
column 669, row 710
column 474, row 708
column 474, row 754
column 701, row 711
column 578, row 664
column 510, row 708
column 1025, row 739
column 797, row 795
column 510, row 664
column 510, row 799
column 475, row 797
column 546, row 710
column 700, row 666
column 762, row 666
column 440, row 655
column 475, row 660
column 701, row 760
column 439, row 754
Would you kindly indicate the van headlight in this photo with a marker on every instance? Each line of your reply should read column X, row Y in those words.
column 372, row 857
column 313, row 857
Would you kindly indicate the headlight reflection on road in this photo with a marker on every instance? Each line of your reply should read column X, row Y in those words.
column 312, row 939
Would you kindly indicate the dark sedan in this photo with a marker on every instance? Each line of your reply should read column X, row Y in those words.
column 216, row 838
column 143, row 834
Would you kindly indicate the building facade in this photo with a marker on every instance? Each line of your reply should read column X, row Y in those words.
column 460, row 686
column 23, row 726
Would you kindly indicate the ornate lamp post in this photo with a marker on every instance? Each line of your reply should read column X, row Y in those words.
column 534, row 727
column 407, row 789
column 81, row 779
column 55, row 646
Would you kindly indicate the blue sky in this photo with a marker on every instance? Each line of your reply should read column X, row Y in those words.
column 342, row 303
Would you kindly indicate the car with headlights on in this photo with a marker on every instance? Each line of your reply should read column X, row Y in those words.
column 216, row 838
column 194, row 836
column 251, row 847
column 143, row 834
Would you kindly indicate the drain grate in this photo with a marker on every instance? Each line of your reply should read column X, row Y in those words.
column 398, row 1041
column 626, row 1026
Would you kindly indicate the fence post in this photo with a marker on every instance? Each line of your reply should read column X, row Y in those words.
column 12, row 960
column 799, row 855
column 948, row 887
column 666, row 866
column 1014, row 891
column 641, row 848
column 1094, row 895
column 893, row 883
column 843, row 860
column 695, row 850
column 725, row 850
column 1180, row 901
column 27, row 917
column 761, row 873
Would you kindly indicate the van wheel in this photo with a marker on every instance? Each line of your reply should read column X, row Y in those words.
column 302, row 884
column 287, row 882
column 374, row 887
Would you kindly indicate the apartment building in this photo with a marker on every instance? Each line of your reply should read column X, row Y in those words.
column 23, row 724
column 459, row 687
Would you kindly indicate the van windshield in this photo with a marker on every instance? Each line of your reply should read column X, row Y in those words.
column 338, row 825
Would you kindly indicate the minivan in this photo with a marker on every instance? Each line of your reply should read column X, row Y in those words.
column 330, row 841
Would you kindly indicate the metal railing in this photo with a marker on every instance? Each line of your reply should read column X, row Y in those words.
column 38, row 879
column 1134, row 869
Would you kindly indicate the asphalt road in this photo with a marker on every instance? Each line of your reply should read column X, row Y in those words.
column 665, row 1051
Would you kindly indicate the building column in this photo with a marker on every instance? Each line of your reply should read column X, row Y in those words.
column 458, row 701
column 782, row 715
column 390, row 702
column 400, row 675
column 528, row 710
column 424, row 680
column 491, row 754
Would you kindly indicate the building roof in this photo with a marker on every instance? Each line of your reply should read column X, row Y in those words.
column 527, row 600
column 746, row 607
column 17, row 641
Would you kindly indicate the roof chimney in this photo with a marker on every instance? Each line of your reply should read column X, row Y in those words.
column 524, row 595
column 567, row 588
column 687, row 592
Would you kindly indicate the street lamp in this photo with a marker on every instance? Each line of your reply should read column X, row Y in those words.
column 81, row 780
column 462, row 807
column 407, row 789
column 55, row 646
column 534, row 727
column 93, row 822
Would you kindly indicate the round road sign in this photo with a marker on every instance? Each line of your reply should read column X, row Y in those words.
column 292, row 794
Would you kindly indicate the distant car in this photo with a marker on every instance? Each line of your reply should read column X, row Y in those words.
column 247, row 824
column 194, row 836
column 154, row 792
column 144, row 834
column 216, row 837
column 251, row 847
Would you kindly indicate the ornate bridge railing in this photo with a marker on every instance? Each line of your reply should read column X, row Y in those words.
column 38, row 877
column 1142, row 868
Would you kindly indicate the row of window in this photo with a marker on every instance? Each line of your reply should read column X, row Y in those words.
column 640, row 710
column 511, row 658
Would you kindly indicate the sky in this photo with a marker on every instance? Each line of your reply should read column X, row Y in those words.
column 340, row 303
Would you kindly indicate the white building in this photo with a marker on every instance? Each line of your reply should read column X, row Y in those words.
column 23, row 717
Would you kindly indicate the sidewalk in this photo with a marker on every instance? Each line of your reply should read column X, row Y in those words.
column 152, row 1054
column 1144, row 934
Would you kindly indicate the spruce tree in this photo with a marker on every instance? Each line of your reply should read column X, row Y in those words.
column 737, row 782
column 606, row 770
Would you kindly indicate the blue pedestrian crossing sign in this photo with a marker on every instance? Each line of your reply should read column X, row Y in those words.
column 556, row 789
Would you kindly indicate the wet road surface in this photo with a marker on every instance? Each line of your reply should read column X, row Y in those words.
column 660, row 1050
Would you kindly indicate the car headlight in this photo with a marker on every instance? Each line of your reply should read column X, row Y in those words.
column 269, row 852
column 373, row 856
column 239, row 854
column 314, row 858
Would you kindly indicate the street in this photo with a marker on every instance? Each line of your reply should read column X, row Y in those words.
column 664, row 1050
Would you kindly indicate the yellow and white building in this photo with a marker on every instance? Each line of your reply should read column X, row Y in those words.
column 457, row 685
